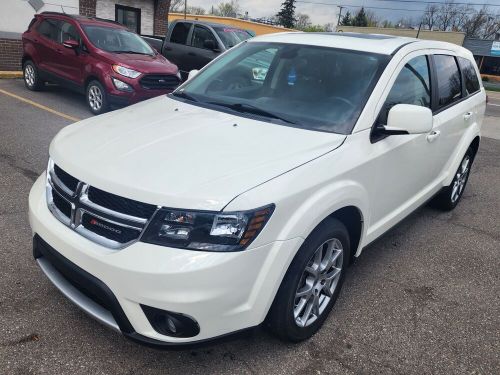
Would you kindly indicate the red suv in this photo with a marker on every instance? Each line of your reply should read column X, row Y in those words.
column 101, row 58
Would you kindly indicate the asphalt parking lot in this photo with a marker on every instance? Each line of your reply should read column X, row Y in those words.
column 424, row 298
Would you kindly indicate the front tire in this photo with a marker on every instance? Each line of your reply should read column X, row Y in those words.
column 448, row 198
column 312, row 283
column 31, row 77
column 97, row 98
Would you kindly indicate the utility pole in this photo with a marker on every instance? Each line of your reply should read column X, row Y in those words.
column 185, row 8
column 340, row 13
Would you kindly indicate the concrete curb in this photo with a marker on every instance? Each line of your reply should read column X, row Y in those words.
column 10, row 74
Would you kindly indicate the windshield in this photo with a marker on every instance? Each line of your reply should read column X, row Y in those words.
column 310, row 87
column 117, row 40
column 231, row 37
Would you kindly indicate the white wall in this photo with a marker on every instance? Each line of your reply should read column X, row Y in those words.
column 15, row 15
column 106, row 9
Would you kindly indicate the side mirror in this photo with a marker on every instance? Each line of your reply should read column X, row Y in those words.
column 192, row 73
column 408, row 119
column 210, row 44
column 71, row 44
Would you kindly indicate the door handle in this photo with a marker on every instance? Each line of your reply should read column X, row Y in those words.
column 191, row 54
column 468, row 115
column 433, row 135
column 168, row 48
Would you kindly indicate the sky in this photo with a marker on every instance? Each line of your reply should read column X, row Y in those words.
column 322, row 14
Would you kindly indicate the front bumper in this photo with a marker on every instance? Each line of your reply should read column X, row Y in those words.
column 223, row 292
column 124, row 98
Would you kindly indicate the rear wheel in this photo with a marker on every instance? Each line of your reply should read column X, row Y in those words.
column 97, row 99
column 312, row 283
column 448, row 198
column 31, row 77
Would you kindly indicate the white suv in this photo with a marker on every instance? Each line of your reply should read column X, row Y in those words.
column 242, row 197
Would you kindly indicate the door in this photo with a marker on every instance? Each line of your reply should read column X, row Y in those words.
column 453, row 112
column 403, row 166
column 70, row 64
column 47, row 44
column 204, row 48
column 175, row 48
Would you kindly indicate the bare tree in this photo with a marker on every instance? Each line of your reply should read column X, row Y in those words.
column 229, row 9
column 372, row 18
column 196, row 10
column 176, row 6
column 446, row 15
column 302, row 21
column 430, row 16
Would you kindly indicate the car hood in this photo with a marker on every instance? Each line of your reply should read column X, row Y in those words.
column 169, row 153
column 156, row 64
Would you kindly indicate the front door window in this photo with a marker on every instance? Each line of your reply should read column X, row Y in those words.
column 128, row 16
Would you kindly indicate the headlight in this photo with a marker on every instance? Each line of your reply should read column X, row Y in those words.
column 208, row 231
column 122, row 86
column 126, row 72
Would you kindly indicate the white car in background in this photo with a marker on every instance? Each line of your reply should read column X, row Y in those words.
column 241, row 198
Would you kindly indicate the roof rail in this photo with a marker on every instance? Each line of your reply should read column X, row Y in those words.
column 106, row 20
column 58, row 14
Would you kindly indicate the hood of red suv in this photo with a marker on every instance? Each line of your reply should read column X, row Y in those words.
column 156, row 64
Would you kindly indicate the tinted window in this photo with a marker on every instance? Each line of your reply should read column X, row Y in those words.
column 469, row 75
column 69, row 32
column 412, row 86
column 50, row 28
column 180, row 33
column 448, row 80
column 200, row 35
column 303, row 86
column 230, row 36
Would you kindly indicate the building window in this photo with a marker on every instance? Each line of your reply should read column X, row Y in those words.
column 128, row 16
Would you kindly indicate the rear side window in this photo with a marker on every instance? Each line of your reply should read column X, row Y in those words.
column 50, row 28
column 180, row 33
column 412, row 86
column 469, row 75
column 448, row 80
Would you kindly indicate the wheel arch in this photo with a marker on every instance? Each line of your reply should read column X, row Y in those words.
column 352, row 218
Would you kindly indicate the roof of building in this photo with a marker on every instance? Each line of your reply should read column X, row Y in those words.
column 375, row 43
column 480, row 47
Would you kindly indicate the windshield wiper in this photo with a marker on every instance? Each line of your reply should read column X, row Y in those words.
column 249, row 108
column 184, row 95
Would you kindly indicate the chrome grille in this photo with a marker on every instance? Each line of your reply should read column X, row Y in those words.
column 104, row 218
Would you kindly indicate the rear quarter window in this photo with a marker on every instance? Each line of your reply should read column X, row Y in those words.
column 50, row 28
column 448, row 80
column 180, row 33
column 470, row 77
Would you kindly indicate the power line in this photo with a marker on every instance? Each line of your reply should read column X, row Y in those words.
column 441, row 2
column 372, row 7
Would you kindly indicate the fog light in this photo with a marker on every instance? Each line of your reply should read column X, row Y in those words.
column 171, row 324
column 122, row 86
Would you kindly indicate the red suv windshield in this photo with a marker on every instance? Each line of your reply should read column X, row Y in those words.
column 117, row 40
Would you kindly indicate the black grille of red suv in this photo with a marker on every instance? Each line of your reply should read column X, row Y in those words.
column 159, row 82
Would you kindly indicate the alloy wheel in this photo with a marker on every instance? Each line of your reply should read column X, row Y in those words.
column 29, row 75
column 95, row 98
column 460, row 179
column 318, row 282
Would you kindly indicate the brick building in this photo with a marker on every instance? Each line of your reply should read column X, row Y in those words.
column 146, row 17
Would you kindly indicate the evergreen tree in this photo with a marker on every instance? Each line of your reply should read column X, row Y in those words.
column 346, row 20
column 286, row 16
column 360, row 19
